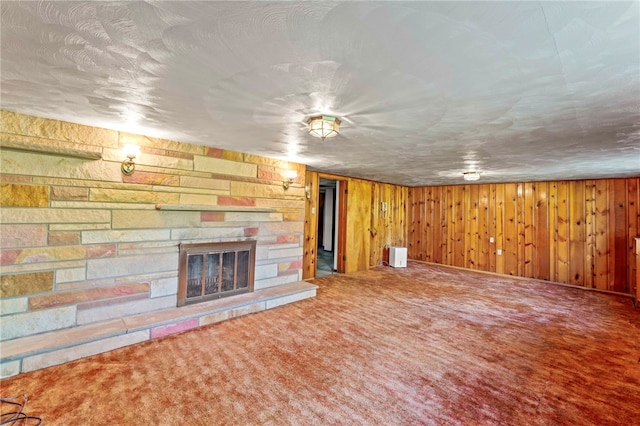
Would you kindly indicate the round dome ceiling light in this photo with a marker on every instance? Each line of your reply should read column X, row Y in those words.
column 471, row 176
column 324, row 126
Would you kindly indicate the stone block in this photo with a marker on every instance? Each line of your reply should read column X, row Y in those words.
column 256, row 190
column 253, row 217
column 40, row 267
column 225, row 167
column 251, row 232
column 284, row 253
column 164, row 287
column 69, row 193
column 280, row 203
column 22, row 124
column 131, row 249
column 127, row 196
column 80, row 296
column 276, row 281
column 166, row 330
column 266, row 161
column 70, row 275
column 22, row 235
column 198, row 199
column 265, row 271
column 276, row 228
column 152, row 178
column 207, row 233
column 131, row 265
column 288, row 266
column 9, row 368
column 33, row 216
column 236, row 201
column 196, row 182
column 13, row 305
column 118, row 236
column 233, row 155
column 291, row 298
column 48, row 254
column 111, row 302
column 149, row 161
column 26, row 324
column 293, row 216
column 232, row 313
column 51, row 166
column 213, row 152
column 15, row 195
column 61, row 356
column 212, row 216
column 15, row 178
column 134, row 219
column 23, row 284
column 63, row 238
column 78, row 226
column 87, row 316
column 288, row 239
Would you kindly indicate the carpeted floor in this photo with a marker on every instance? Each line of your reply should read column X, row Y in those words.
column 421, row 345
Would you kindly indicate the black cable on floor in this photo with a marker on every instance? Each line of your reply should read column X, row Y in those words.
column 16, row 415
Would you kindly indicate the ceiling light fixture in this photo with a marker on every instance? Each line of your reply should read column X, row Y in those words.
column 471, row 176
column 324, row 126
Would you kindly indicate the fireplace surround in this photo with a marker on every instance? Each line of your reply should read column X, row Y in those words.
column 213, row 270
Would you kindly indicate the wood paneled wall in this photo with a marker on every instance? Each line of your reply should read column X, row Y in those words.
column 388, row 224
column 574, row 232
column 368, row 230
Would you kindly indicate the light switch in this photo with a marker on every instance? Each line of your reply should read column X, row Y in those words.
column 313, row 210
column 492, row 240
column 499, row 252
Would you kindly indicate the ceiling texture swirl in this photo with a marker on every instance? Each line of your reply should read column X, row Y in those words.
column 520, row 91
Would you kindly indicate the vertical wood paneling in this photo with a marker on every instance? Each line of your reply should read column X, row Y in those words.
column 577, row 235
column 529, row 256
column 553, row 229
column 498, row 195
column 562, row 225
column 510, row 241
column 484, row 225
column 600, row 227
column 619, row 230
column 471, row 225
column 542, row 269
column 376, row 224
column 633, row 214
column 310, row 227
column 590, row 217
column 575, row 232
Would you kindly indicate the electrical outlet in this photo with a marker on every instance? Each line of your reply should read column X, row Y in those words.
column 499, row 252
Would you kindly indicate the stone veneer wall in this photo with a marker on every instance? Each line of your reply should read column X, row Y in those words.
column 82, row 243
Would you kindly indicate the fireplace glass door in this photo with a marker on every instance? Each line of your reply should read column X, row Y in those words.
column 210, row 271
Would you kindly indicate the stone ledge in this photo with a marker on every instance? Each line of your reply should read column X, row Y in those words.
column 205, row 313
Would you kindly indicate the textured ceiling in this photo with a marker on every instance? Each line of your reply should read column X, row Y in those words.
column 426, row 90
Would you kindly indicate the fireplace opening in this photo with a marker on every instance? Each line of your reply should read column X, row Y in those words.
column 214, row 270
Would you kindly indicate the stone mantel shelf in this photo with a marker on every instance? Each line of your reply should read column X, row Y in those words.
column 42, row 146
column 206, row 208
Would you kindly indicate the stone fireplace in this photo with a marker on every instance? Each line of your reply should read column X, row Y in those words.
column 213, row 270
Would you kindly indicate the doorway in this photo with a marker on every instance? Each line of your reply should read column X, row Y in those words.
column 327, row 262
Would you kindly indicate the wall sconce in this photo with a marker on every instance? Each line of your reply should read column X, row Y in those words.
column 289, row 176
column 128, row 165
column 307, row 192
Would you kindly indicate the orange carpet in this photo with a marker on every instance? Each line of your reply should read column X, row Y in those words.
column 421, row 345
